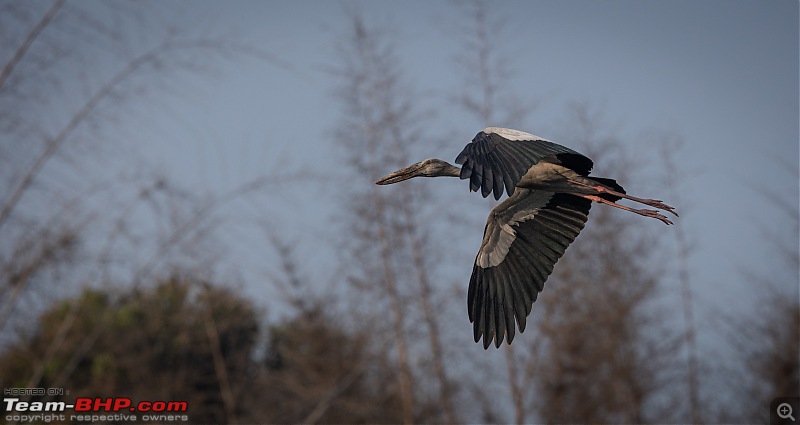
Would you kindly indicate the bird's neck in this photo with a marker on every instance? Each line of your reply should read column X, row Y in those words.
column 451, row 171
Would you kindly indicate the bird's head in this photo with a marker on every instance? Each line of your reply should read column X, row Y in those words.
column 431, row 167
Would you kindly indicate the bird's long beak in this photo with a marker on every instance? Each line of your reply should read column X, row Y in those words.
column 400, row 175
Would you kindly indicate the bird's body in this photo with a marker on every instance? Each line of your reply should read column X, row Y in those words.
column 550, row 193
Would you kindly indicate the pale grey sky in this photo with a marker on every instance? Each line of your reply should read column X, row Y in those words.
column 721, row 74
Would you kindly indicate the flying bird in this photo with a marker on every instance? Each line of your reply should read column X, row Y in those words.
column 549, row 196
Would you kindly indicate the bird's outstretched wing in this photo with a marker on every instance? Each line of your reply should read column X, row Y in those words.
column 499, row 157
column 525, row 235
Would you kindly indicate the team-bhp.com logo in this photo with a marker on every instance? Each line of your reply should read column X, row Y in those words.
column 95, row 410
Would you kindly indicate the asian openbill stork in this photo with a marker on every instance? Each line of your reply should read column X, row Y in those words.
column 550, row 193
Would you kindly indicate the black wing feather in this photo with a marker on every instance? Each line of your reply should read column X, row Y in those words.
column 491, row 159
column 506, row 163
column 488, row 182
column 503, row 293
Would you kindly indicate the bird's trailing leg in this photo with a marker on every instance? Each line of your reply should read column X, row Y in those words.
column 646, row 213
column 650, row 202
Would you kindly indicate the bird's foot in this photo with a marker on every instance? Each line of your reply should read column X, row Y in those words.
column 654, row 214
column 655, row 203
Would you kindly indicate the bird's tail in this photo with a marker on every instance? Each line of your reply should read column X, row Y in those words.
column 611, row 184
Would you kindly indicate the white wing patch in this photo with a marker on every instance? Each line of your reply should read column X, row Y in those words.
column 495, row 246
column 510, row 134
column 500, row 232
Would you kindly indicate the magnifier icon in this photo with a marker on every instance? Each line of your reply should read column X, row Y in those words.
column 785, row 411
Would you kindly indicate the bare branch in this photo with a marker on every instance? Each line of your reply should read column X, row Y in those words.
column 228, row 399
column 684, row 247
column 486, row 72
column 53, row 144
column 8, row 68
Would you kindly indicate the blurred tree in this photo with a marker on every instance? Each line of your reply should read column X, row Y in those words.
column 486, row 94
column 70, row 76
column 316, row 369
column 388, row 247
column 767, row 346
column 596, row 351
column 671, row 146
column 179, row 340
column 767, row 342
column 607, row 354
column 317, row 373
